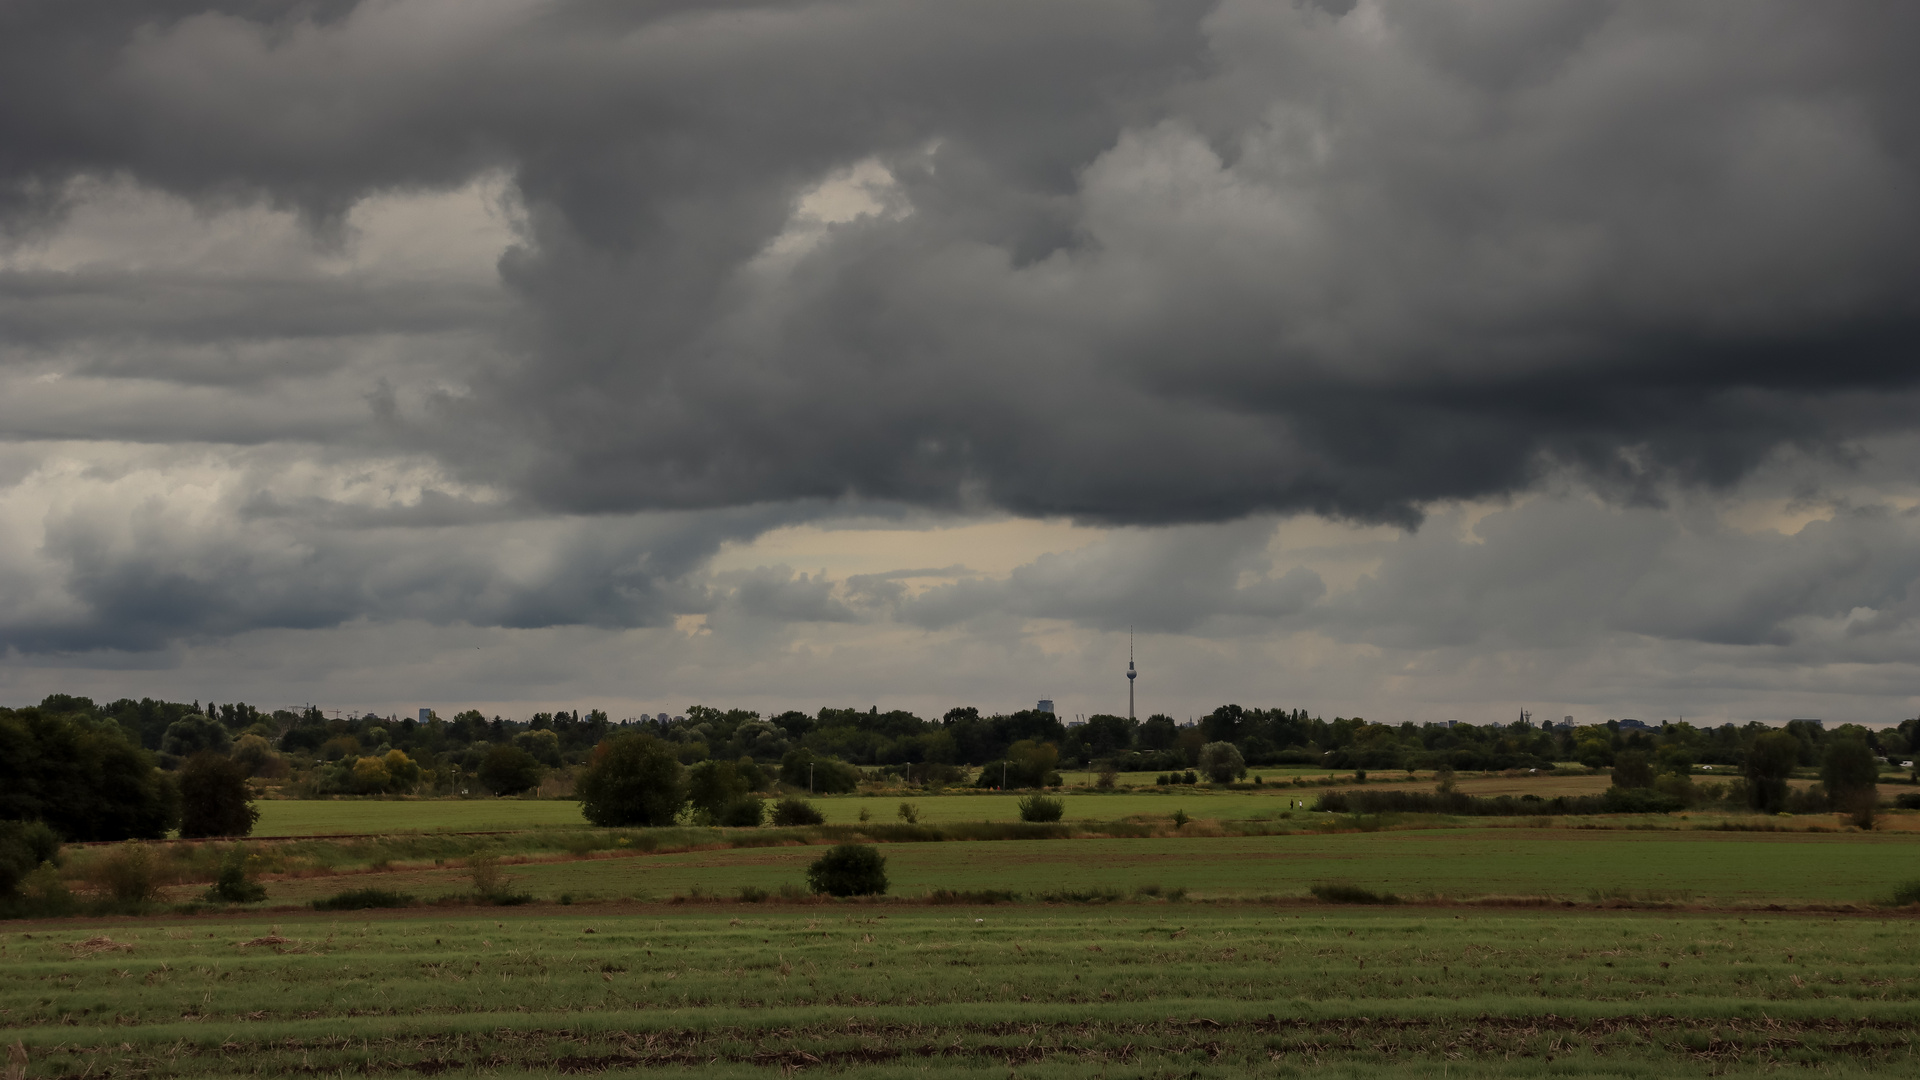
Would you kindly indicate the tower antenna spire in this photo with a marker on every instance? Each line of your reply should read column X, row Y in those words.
column 1131, row 673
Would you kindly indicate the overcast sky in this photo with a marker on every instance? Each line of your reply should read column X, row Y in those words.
column 1410, row 360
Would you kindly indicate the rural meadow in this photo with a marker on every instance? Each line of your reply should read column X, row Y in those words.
column 895, row 539
column 652, row 900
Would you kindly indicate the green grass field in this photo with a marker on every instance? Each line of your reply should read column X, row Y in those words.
column 334, row 817
column 1161, row 990
column 329, row 817
column 1705, row 867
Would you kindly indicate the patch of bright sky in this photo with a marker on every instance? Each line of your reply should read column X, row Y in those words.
column 1784, row 516
column 863, row 189
column 985, row 547
column 119, row 226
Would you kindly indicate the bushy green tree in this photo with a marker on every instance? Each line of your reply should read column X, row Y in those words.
column 1770, row 762
column 193, row 734
column 849, row 870
column 830, row 776
column 793, row 810
column 255, row 754
column 1222, row 763
column 84, row 779
column 721, row 790
column 632, row 779
column 1632, row 769
column 509, row 770
column 543, row 745
column 215, row 798
column 1851, row 776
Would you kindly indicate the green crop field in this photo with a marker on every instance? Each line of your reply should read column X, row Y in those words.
column 333, row 817
column 1455, row 862
column 329, row 817
column 1141, row 990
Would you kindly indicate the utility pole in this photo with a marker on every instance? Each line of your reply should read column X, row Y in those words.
column 809, row 779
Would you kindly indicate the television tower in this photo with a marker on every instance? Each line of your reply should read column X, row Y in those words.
column 1131, row 674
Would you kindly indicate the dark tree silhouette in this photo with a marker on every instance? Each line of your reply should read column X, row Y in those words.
column 633, row 779
column 215, row 799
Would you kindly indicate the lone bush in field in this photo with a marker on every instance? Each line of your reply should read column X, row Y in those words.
column 215, row 798
column 1222, row 763
column 1041, row 808
column 849, row 870
column 235, row 884
column 633, row 779
column 910, row 813
column 127, row 874
column 794, row 810
column 1906, row 894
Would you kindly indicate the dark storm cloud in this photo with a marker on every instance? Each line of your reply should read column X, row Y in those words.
column 1148, row 262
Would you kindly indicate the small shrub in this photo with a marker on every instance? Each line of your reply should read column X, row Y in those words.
column 235, row 885
column 566, row 898
column 1180, row 819
column 1178, row 892
column 1906, row 894
column 24, row 846
column 849, row 870
column 865, row 815
column 1907, row 801
column 794, row 810
column 1334, row 893
column 971, row 896
column 1149, row 889
column 488, row 880
column 1041, row 808
column 1099, row 894
column 753, row 894
column 1108, row 777
column 127, row 874
column 744, row 813
column 910, row 813
column 362, row 899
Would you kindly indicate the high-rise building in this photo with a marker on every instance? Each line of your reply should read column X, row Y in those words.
column 1044, row 705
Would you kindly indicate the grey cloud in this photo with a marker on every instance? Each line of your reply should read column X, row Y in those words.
column 1164, row 262
column 776, row 592
column 137, row 574
column 1161, row 581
